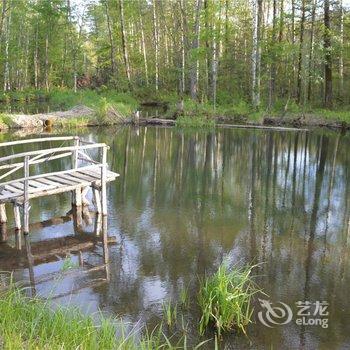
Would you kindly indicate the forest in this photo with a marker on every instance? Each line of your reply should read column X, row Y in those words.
column 265, row 54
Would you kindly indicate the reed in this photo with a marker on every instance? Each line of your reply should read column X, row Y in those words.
column 170, row 313
column 225, row 300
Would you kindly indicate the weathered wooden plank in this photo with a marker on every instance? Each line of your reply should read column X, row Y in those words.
column 47, row 182
column 84, row 177
column 73, row 179
column 53, row 173
column 52, row 150
column 37, row 140
column 13, row 189
column 58, row 179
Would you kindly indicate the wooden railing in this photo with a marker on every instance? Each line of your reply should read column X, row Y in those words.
column 24, row 160
column 76, row 152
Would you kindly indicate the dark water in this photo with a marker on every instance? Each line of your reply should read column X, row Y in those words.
column 186, row 202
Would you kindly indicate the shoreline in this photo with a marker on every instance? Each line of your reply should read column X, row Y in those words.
column 83, row 116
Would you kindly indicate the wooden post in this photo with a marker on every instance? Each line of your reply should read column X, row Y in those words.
column 3, row 217
column 105, row 246
column 86, row 215
column 26, row 196
column 17, row 216
column 76, row 197
column 98, row 224
column 77, row 219
column 18, row 239
column 97, row 199
column 104, row 181
column 3, row 232
column 84, row 192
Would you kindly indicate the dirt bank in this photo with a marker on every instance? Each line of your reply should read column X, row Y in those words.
column 307, row 120
column 26, row 121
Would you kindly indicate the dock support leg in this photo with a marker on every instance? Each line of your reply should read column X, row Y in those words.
column 97, row 200
column 76, row 198
column 26, row 207
column 3, row 217
column 17, row 216
column 3, row 232
column 84, row 192
column 104, row 181
column 77, row 219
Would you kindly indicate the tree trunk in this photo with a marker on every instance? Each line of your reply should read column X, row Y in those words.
column 183, row 55
column 2, row 18
column 341, row 60
column 156, row 44
column 143, row 44
column 207, row 50
column 111, row 42
column 214, row 70
column 327, row 46
column 7, row 83
column 273, row 57
column 36, row 56
column 300, row 59
column 195, row 45
column 124, row 42
column 257, row 11
column 311, row 49
column 47, row 61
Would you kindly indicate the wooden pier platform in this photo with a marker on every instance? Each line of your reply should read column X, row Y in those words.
column 80, row 173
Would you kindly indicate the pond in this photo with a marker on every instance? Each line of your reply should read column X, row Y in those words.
column 187, row 201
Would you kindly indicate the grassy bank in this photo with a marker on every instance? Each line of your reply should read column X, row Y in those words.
column 109, row 107
column 88, row 107
column 200, row 114
column 30, row 323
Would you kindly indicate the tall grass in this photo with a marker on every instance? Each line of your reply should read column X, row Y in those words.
column 30, row 323
column 225, row 300
column 170, row 313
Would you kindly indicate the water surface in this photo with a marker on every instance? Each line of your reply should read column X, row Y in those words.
column 186, row 201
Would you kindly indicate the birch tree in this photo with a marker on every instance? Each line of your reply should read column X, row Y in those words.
column 257, row 12
column 195, row 46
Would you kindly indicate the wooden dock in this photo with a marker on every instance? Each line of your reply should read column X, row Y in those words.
column 82, row 172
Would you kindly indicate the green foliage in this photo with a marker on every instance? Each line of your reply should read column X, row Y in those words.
column 30, row 323
column 5, row 120
column 68, row 264
column 336, row 115
column 170, row 313
column 199, row 121
column 184, row 297
column 73, row 123
column 225, row 300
